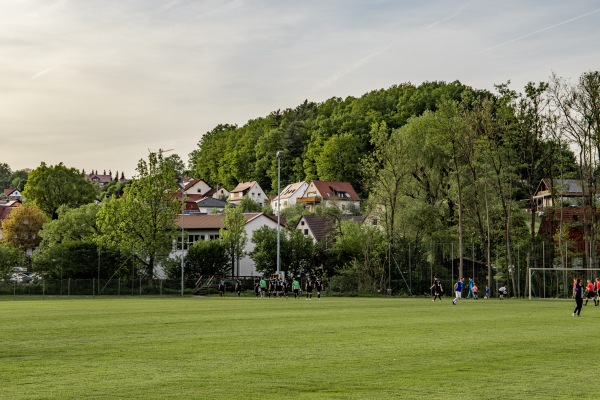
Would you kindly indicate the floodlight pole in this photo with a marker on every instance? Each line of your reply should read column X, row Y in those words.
column 279, row 154
column 182, row 236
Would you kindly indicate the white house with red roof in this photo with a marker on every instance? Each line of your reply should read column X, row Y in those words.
column 196, row 186
column 251, row 190
column 218, row 193
column 288, row 196
column 13, row 194
column 330, row 194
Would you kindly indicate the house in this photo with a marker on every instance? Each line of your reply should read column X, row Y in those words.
column 322, row 228
column 251, row 190
column 564, row 190
column 207, row 226
column 209, row 205
column 574, row 220
column 288, row 196
column 196, row 186
column 219, row 193
column 330, row 194
column 99, row 179
column 13, row 194
column 191, row 206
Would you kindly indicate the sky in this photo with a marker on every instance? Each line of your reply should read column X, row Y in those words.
column 97, row 84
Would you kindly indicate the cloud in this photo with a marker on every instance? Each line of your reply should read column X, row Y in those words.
column 42, row 73
column 540, row 30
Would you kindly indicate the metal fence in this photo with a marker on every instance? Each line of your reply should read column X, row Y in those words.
column 95, row 287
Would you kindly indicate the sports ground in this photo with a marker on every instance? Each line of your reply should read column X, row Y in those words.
column 335, row 348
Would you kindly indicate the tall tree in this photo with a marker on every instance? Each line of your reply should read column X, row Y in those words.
column 143, row 220
column 234, row 235
column 55, row 186
column 72, row 225
column 18, row 179
column 5, row 173
column 10, row 257
column 22, row 227
column 579, row 108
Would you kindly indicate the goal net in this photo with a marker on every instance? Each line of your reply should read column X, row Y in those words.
column 557, row 283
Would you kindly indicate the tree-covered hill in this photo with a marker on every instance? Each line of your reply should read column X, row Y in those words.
column 325, row 141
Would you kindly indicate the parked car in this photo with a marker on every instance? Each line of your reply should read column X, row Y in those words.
column 21, row 277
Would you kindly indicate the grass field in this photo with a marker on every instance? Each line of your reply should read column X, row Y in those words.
column 335, row 348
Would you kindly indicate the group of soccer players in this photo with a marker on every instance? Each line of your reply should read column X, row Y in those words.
column 280, row 288
column 590, row 291
column 458, row 288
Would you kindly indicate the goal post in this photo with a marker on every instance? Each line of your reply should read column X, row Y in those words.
column 557, row 283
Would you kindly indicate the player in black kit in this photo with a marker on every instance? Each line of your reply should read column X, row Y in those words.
column 437, row 288
column 308, row 287
column 319, row 287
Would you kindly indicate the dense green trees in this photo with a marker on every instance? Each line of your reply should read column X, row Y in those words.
column 233, row 236
column 142, row 222
column 205, row 258
column 50, row 187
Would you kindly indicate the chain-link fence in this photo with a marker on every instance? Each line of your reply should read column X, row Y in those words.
column 119, row 287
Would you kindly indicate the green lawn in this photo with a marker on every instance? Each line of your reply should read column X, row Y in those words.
column 335, row 348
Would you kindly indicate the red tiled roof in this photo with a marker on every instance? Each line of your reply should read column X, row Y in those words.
column 8, row 191
column 190, row 196
column 101, row 178
column 5, row 212
column 243, row 186
column 192, row 182
column 328, row 190
column 324, row 226
column 207, row 221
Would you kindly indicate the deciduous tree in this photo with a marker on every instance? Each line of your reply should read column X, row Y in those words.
column 55, row 186
column 234, row 235
column 143, row 220
column 22, row 227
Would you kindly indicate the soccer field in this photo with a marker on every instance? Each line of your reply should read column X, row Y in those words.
column 335, row 348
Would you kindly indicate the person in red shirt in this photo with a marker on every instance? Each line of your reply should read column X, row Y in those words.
column 597, row 299
column 591, row 293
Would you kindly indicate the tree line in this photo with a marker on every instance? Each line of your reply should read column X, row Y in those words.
column 435, row 163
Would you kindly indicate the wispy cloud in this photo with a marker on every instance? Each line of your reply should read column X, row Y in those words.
column 42, row 73
column 358, row 64
column 541, row 30
column 353, row 67
column 448, row 18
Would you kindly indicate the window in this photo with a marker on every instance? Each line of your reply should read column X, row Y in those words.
column 302, row 223
column 306, row 232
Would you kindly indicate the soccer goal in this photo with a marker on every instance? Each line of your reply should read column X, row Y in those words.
column 557, row 283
